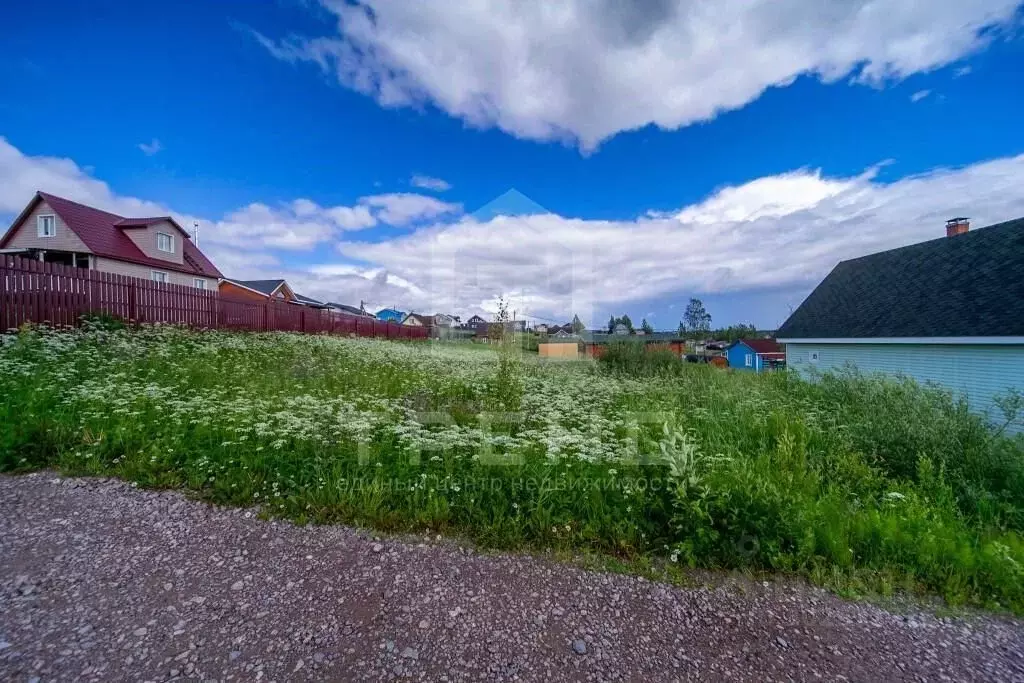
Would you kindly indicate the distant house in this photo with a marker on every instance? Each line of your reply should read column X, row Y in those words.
column 350, row 310
column 620, row 329
column 444, row 320
column 540, row 328
column 256, row 290
column 475, row 321
column 418, row 320
column 562, row 333
column 390, row 315
column 755, row 355
column 309, row 301
column 57, row 230
column 948, row 311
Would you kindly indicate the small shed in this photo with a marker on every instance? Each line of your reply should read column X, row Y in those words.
column 563, row 350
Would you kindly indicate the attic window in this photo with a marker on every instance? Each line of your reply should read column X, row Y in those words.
column 46, row 226
column 165, row 242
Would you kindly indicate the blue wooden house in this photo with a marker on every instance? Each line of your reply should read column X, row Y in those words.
column 949, row 311
column 755, row 355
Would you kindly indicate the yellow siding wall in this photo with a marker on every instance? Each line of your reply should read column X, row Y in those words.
column 556, row 350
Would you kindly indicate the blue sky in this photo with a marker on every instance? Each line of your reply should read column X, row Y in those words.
column 681, row 150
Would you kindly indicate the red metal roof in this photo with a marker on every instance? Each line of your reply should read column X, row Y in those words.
column 102, row 234
column 764, row 345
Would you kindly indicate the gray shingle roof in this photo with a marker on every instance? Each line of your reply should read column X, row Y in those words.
column 309, row 301
column 969, row 285
column 353, row 310
column 265, row 286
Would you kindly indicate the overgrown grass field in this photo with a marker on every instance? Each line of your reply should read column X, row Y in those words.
column 856, row 483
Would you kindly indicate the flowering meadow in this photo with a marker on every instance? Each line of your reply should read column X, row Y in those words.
column 856, row 483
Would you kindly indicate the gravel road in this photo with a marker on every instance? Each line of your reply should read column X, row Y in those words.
column 102, row 582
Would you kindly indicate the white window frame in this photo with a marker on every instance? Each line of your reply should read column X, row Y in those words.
column 159, row 276
column 40, row 225
column 170, row 242
column 199, row 283
column 748, row 360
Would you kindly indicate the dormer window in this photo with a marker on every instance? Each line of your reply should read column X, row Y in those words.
column 165, row 242
column 46, row 226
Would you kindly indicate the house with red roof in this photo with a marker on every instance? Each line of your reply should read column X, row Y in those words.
column 57, row 230
column 756, row 355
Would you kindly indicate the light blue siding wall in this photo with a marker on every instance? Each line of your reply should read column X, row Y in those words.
column 737, row 353
column 978, row 372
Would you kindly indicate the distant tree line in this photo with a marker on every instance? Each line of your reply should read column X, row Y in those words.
column 696, row 324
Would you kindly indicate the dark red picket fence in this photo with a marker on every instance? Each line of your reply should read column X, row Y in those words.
column 31, row 291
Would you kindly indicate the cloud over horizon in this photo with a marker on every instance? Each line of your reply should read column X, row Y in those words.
column 781, row 231
column 584, row 71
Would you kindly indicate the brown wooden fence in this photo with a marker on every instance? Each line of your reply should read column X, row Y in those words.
column 31, row 291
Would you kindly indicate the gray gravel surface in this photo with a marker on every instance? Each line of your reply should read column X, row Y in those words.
column 102, row 582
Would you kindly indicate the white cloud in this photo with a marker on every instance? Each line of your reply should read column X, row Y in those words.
column 587, row 69
column 352, row 217
column 149, row 149
column 962, row 71
column 21, row 176
column 785, row 231
column 426, row 182
column 772, row 196
column 299, row 225
column 920, row 95
column 402, row 208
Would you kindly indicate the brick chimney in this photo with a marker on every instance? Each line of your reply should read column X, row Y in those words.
column 957, row 226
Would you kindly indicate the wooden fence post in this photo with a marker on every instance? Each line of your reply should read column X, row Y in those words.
column 6, row 315
column 133, row 303
column 93, row 296
column 266, row 316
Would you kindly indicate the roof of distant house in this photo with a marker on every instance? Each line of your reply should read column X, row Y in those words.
column 425, row 320
column 103, row 233
column 763, row 347
column 390, row 314
column 309, row 301
column 267, row 287
column 345, row 308
column 968, row 285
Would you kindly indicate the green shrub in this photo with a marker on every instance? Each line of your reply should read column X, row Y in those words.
column 633, row 358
